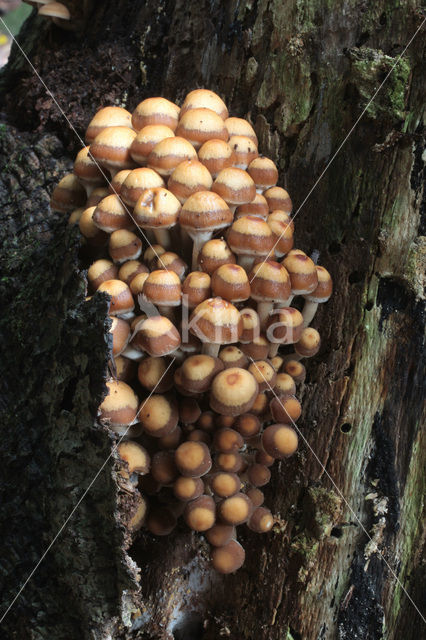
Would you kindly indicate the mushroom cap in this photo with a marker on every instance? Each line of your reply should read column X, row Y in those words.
column 220, row 534
column 68, row 194
column 241, row 127
column 285, row 408
column 189, row 177
column 233, row 392
column 261, row 520
column 235, row 510
column 199, row 125
column 120, row 331
column 155, row 373
column 98, row 194
column 110, row 215
column 204, row 99
column 146, row 140
column 163, row 468
column 248, row 425
column 193, row 459
column 137, row 514
column 244, row 149
column 100, row 271
column 252, row 236
column 257, row 349
column 187, row 488
column 121, row 297
column 231, row 462
column 107, row 117
column 117, row 181
column 257, row 207
column 137, row 282
column 270, row 282
column 303, row 273
column 195, row 288
column 136, row 456
column 278, row 198
column 264, row 172
column 284, row 325
column 130, row 270
column 228, row 558
column 264, row 373
column 260, row 406
column 172, row 262
column 205, row 211
column 309, row 343
column 158, row 415
column 158, row 336
column 282, row 227
column 217, row 321
column 137, row 181
column 124, row 245
column 55, row 10
column 251, row 325
column 256, row 496
column 258, row 474
column 75, row 216
column 324, row 288
column 225, row 484
column 163, row 287
column 230, row 282
column 169, row 153
column 228, row 440
column 284, row 384
column 216, row 155
column 86, row 169
column 152, row 254
column 155, row 111
column 172, row 439
column 296, row 370
column 213, row 254
column 120, row 405
column 156, row 208
column 189, row 411
column 111, row 148
column 198, row 371
column 232, row 356
column 279, row 441
column 200, row 514
column 235, row 186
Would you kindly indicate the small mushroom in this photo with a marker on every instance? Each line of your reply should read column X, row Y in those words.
column 204, row 99
column 270, row 284
column 225, row 484
column 200, row 514
column 213, row 254
column 235, row 187
column 235, row 510
column 296, row 370
column 264, row 374
column 107, row 117
column 264, row 173
column 68, row 194
column 157, row 336
column 215, row 322
column 189, row 177
column 136, row 456
column 233, row 392
column 279, row 441
column 169, row 153
column 244, row 150
column 155, row 111
column 248, row 425
column 250, row 238
column 278, row 198
column 284, row 326
column 187, row 489
column 136, row 183
column 220, row 534
column 155, row 373
column 124, row 245
column 110, row 215
column 261, row 520
column 111, row 148
column 232, row 356
column 216, row 155
column 285, row 408
column 119, row 407
column 241, row 127
column 228, row 558
column 121, row 303
column 230, row 282
column 158, row 415
column 100, row 271
column 199, row 125
column 193, row 459
column 146, row 140
column 319, row 295
column 198, row 372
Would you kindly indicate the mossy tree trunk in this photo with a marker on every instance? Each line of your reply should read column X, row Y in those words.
column 351, row 499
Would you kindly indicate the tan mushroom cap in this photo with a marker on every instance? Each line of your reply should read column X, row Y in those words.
column 264, row 373
column 251, row 325
column 75, row 216
column 87, row 170
column 189, row 177
column 251, row 236
column 296, row 370
column 241, row 127
column 225, row 484
column 55, row 10
column 257, row 207
column 282, row 227
column 158, row 336
column 89, row 230
column 201, row 124
column 117, row 181
column 107, row 117
column 120, row 330
column 152, row 253
column 235, row 186
column 230, row 282
column 303, row 273
column 324, row 288
column 146, row 140
column 68, row 194
column 121, row 297
column 228, row 440
column 196, row 288
column 100, row 271
column 124, row 369
column 258, row 474
column 220, row 534
column 124, row 245
column 284, row 384
column 261, row 520
column 285, row 325
column 280, row 441
column 130, row 270
column 232, row 356
column 98, row 194
column 155, row 111
column 187, row 488
column 158, row 415
column 278, row 198
column 264, row 173
column 216, row 155
column 157, row 208
column 309, row 343
column 200, row 514
column 233, row 392
column 136, row 456
column 111, row 148
column 235, row 510
column 189, row 412
column 213, row 254
column 205, row 211
column 193, row 459
column 163, row 287
column 260, row 405
column 230, row 462
column 137, row 282
column 204, row 99
column 277, row 362
column 137, row 182
column 285, row 408
column 270, row 282
column 256, row 496
column 172, row 262
column 216, row 321
column 244, row 150
column 169, row 153
column 248, row 425
column 257, row 349
column 120, row 405
column 228, row 558
column 110, row 215
column 198, row 371
column 155, row 373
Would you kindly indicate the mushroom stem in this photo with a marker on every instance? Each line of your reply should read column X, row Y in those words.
column 211, row 349
column 288, row 302
column 199, row 239
column 274, row 349
column 245, row 261
column 308, row 312
column 167, row 311
column 263, row 310
column 162, row 237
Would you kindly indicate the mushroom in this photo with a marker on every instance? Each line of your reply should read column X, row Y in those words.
column 244, row 150
column 157, row 209
column 258, row 474
column 204, row 99
column 235, row 187
column 251, row 325
column 88, row 171
column 151, row 255
column 189, row 411
column 270, row 284
column 258, row 349
column 264, row 173
column 261, row 520
column 124, row 369
column 170, row 261
column 136, row 457
column 111, row 148
column 264, row 373
column 137, row 515
column 137, row 181
column 189, row 177
column 220, row 534
column 230, row 462
column 198, row 371
column 137, row 284
column 55, row 10
column 121, row 303
column 155, row 111
column 199, row 125
column 232, row 356
column 215, row 322
column 155, row 374
column 308, row 344
column 75, row 216
column 119, row 407
column 235, row 510
column 193, row 459
column 284, row 384
column 228, row 558
column 303, row 274
column 187, row 488
column 233, row 392
column 110, row 215
column 157, row 336
column 97, row 195
column 172, row 439
column 158, row 415
column 214, row 254
column 162, row 288
column 163, row 468
column 284, row 326
column 216, row 155
column 281, row 227
column 230, row 282
column 241, row 127
column 278, row 198
column 68, row 194
column 120, row 331
column 248, row 425
column 296, row 370
column 277, row 362
column 107, row 117
column 257, row 207
column 94, row 236
column 117, row 181
column 320, row 294
column 169, row 153
column 203, row 213
column 195, row 289
column 130, row 269
column 228, row 440
column 100, row 271
column 200, row 514
column 280, row 441
column 225, row 485
column 146, row 140
column 256, row 496
column 250, row 237
column 285, row 408
column 124, row 245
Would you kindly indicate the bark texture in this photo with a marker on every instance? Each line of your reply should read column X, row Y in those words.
column 303, row 71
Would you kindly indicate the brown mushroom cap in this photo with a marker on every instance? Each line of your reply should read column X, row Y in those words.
column 264, row 458
column 256, row 496
column 130, row 270
column 155, row 111
column 241, row 127
column 158, row 415
column 213, row 254
column 120, row 331
column 216, row 321
column 169, row 153
column 152, row 254
column 228, row 440
column 258, row 349
column 155, row 373
column 261, row 520
column 235, row 186
column 251, row 236
column 233, row 392
column 303, row 273
column 204, row 99
column 186, row 488
column 324, row 288
column 284, row 384
column 216, row 155
column 121, row 297
column 87, row 170
column 260, row 405
column 163, row 468
column 146, row 140
column 137, row 283
column 228, row 558
column 282, row 227
column 309, row 343
column 158, row 336
column 285, row 325
column 206, row 421
column 280, row 441
column 232, row 356
column 107, row 117
column 230, row 462
column 172, row 440
column 296, row 370
column 235, row 510
column 264, row 373
column 68, row 194
column 198, row 372
column 195, row 288
column 248, row 425
column 136, row 456
column 200, row 514
column 111, row 148
column 270, row 282
column 124, row 245
column 244, row 150
column 119, row 406
column 264, row 173
column 189, row 411
column 157, row 209
column 278, row 198
column 251, row 325
column 257, row 207
column 199, row 125
column 189, row 177
column 204, row 211
column 124, row 369
column 230, row 282
column 110, row 215
column 193, row 459
column 100, row 271
column 220, row 534
column 163, row 288
column 258, row 474
column 285, row 408
column 137, row 181
column 225, row 484
column 97, row 195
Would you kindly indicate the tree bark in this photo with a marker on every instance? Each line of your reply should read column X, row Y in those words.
column 350, row 504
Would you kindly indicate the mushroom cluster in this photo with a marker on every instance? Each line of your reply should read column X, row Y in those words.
column 186, row 230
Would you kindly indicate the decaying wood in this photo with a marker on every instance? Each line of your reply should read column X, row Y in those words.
column 353, row 495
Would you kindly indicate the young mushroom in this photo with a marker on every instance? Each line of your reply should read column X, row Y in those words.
column 264, row 173
column 189, row 177
column 198, row 371
column 204, row 99
column 215, row 322
column 320, row 294
column 169, row 153
column 100, row 271
column 214, row 254
column 157, row 336
column 235, row 187
column 157, row 209
column 216, row 155
column 146, row 140
column 270, row 284
column 193, row 459
column 244, row 150
column 284, row 326
column 124, row 245
column 278, row 198
column 111, row 148
column 228, row 558
column 250, row 238
column 68, row 194
column 162, row 288
column 158, row 415
column 107, row 117
column 233, row 392
column 230, row 282
column 110, row 215
column 155, row 111
column 119, row 407
column 280, row 441
column 199, row 125
column 121, row 303
column 136, row 183
column 200, row 514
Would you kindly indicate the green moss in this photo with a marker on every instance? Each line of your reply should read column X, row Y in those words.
column 322, row 510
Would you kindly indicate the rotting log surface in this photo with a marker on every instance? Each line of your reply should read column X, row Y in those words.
column 302, row 71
